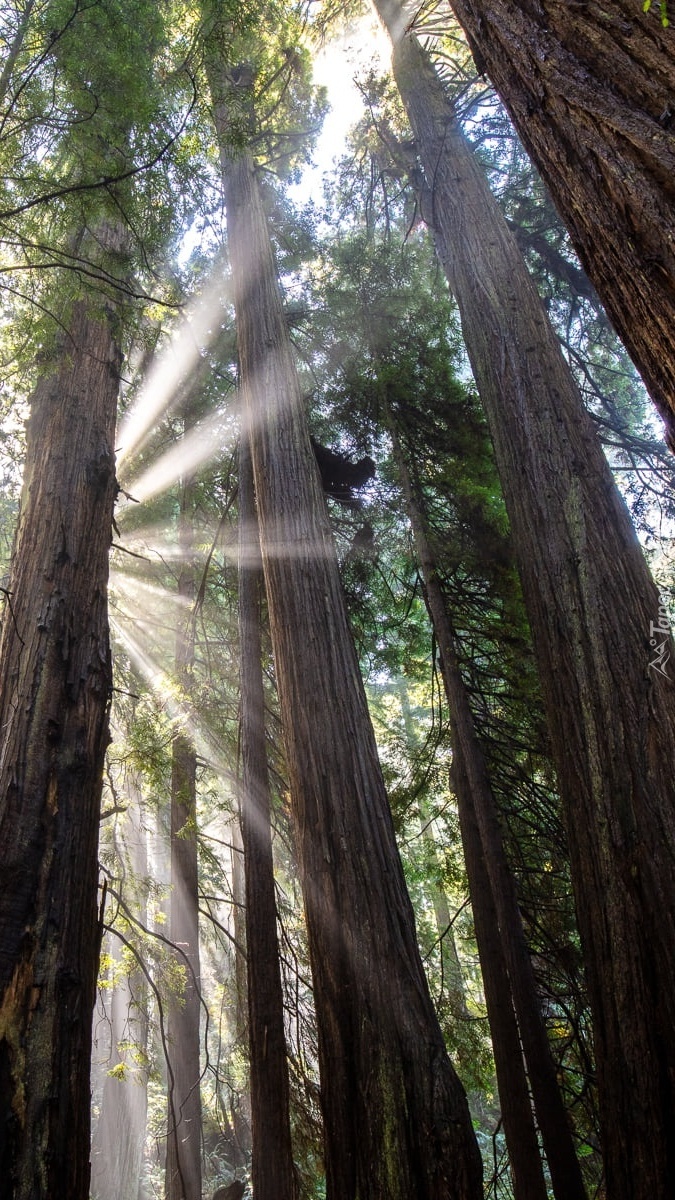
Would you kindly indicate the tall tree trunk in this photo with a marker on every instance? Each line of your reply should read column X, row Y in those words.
column 590, row 91
column 396, row 1118
column 272, row 1175
column 487, row 864
column 184, row 1129
column 592, row 608
column 239, row 925
column 514, row 1097
column 451, row 969
column 14, row 49
column 55, row 686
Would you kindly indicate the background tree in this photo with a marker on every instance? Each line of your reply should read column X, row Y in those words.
column 379, row 1041
column 184, row 1124
column 396, row 377
column 121, row 1022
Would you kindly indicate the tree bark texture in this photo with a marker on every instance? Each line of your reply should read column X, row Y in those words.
column 184, row 1128
column 395, row 1114
column 55, row 686
column 514, row 1097
column 492, row 884
column 593, row 609
column 272, row 1170
column 589, row 87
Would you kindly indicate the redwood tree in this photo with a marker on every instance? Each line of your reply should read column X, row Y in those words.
column 272, row 1171
column 55, row 688
column 504, row 955
column 590, row 90
column 593, row 609
column 55, row 674
column 395, row 1114
column 184, row 1126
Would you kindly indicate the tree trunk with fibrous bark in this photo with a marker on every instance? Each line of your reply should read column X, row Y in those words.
column 596, row 622
column 272, row 1170
column 55, row 688
column 590, row 90
column 514, row 1010
column 395, row 1114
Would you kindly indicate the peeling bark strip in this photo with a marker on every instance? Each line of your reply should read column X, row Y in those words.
column 55, row 682
column 590, row 601
column 396, row 1119
column 591, row 90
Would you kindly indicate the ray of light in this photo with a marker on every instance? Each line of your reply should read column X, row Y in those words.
column 180, row 711
column 278, row 548
column 165, row 601
column 205, row 442
column 177, row 707
column 172, row 367
column 150, row 543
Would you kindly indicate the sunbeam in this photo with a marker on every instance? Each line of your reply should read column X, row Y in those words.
column 203, row 443
column 164, row 601
column 303, row 547
column 172, row 367
column 177, row 707
column 180, row 710
column 151, row 544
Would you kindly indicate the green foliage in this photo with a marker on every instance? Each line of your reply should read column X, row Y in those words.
column 663, row 11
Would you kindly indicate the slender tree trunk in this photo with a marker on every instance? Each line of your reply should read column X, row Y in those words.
column 184, row 1130
column 590, row 91
column 451, row 968
column 239, row 1114
column 239, row 925
column 116, row 1150
column 514, row 1097
column 55, row 685
column 396, row 1119
column 593, row 609
column 487, row 863
column 14, row 49
column 273, row 1175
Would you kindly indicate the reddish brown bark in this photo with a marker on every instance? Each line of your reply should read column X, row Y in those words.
column 396, row 1118
column 592, row 608
column 514, row 1097
column 55, row 685
column 272, row 1171
column 590, row 89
